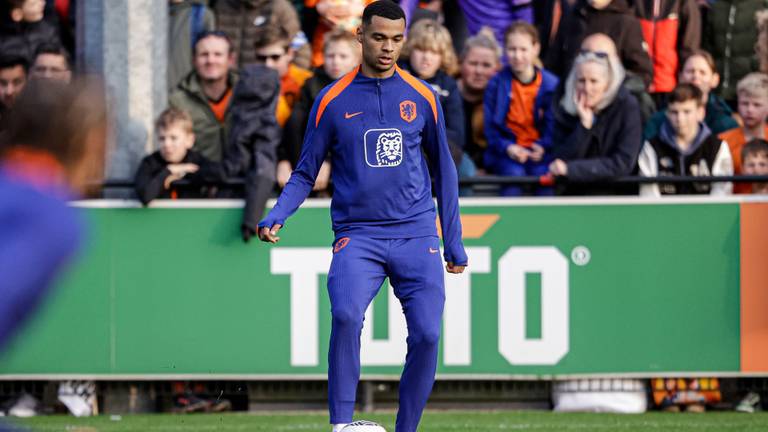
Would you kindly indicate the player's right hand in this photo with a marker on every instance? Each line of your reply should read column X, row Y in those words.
column 269, row 235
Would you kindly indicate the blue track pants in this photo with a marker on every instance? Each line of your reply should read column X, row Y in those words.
column 415, row 270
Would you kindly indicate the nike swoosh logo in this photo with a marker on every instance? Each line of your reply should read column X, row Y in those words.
column 349, row 116
column 433, row 250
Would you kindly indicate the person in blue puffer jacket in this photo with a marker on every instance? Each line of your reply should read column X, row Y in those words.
column 518, row 112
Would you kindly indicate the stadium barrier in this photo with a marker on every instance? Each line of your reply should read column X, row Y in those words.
column 510, row 180
column 556, row 288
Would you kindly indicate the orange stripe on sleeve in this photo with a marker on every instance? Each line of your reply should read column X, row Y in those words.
column 333, row 92
column 421, row 88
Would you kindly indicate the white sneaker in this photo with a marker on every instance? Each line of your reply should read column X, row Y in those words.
column 339, row 427
column 25, row 406
column 750, row 403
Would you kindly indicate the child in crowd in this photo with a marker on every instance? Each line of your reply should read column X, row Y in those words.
column 341, row 54
column 518, row 115
column 685, row 146
column 752, row 93
column 754, row 155
column 429, row 50
column 700, row 70
column 175, row 160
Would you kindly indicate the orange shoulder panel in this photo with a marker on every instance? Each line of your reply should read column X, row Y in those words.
column 333, row 92
column 421, row 88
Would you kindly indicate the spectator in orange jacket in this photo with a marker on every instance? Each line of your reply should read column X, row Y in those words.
column 672, row 31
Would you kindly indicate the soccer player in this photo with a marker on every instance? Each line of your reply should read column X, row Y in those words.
column 375, row 121
column 52, row 146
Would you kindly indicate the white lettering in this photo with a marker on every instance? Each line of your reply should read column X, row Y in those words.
column 555, row 324
column 457, row 323
column 304, row 265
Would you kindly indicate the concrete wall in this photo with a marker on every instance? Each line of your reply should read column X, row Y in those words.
column 125, row 42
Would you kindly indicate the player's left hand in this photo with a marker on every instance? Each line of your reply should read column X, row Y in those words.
column 269, row 235
column 456, row 269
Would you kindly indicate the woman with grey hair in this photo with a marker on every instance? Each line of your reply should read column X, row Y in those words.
column 598, row 129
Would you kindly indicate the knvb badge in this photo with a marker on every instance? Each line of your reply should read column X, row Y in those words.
column 408, row 111
column 383, row 148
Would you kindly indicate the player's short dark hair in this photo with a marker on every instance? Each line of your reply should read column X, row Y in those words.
column 754, row 147
column 270, row 34
column 383, row 8
column 53, row 49
column 56, row 117
column 213, row 33
column 8, row 61
column 685, row 92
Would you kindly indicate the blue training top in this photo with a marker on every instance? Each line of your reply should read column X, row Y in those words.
column 375, row 130
column 39, row 235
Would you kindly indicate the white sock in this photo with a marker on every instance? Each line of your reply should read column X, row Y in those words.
column 339, row 427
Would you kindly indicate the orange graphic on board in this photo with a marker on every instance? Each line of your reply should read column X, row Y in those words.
column 473, row 226
column 754, row 295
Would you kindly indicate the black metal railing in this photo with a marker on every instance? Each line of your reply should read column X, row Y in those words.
column 506, row 181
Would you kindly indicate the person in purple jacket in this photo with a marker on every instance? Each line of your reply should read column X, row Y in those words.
column 496, row 14
column 376, row 121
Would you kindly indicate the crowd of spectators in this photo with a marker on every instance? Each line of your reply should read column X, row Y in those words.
column 578, row 90
column 573, row 92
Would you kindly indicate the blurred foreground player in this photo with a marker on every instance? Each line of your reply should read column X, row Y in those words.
column 375, row 121
column 51, row 146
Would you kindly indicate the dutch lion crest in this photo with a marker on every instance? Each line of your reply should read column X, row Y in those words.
column 389, row 148
column 383, row 147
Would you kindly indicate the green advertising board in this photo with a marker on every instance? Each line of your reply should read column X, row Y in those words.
column 554, row 288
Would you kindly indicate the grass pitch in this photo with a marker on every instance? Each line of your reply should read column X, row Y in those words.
column 433, row 421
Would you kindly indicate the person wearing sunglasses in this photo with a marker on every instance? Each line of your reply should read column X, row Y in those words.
column 273, row 50
column 243, row 19
column 602, row 45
